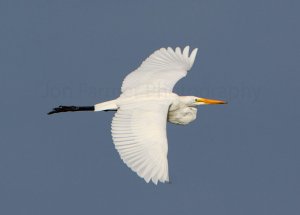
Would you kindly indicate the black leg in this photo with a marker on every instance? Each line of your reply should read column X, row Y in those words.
column 110, row 110
column 61, row 109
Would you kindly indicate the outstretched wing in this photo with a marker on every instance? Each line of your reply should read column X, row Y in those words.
column 160, row 71
column 139, row 135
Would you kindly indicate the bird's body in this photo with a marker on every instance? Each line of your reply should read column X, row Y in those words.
column 181, row 111
column 143, row 109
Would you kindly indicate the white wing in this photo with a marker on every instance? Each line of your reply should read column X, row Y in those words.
column 139, row 126
column 139, row 135
column 160, row 71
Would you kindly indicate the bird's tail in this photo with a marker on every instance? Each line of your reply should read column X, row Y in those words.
column 106, row 106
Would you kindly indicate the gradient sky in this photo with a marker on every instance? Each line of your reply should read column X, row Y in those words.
column 242, row 158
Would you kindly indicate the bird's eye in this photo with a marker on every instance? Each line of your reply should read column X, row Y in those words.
column 195, row 100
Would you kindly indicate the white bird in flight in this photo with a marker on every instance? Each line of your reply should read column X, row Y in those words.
column 143, row 109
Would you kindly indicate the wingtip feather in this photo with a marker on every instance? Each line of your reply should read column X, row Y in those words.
column 186, row 51
column 193, row 56
column 178, row 51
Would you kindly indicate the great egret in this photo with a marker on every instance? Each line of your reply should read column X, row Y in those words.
column 143, row 109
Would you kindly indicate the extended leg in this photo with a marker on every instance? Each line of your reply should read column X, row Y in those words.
column 61, row 109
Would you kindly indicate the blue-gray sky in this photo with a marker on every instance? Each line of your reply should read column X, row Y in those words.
column 242, row 158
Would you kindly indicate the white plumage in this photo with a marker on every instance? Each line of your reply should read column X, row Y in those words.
column 139, row 135
column 139, row 126
column 160, row 71
column 143, row 109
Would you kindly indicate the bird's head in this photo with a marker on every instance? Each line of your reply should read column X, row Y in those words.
column 194, row 101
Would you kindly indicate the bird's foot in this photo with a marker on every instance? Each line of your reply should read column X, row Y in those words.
column 61, row 109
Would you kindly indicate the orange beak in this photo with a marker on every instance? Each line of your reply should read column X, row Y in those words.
column 211, row 101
